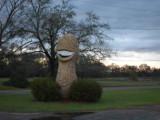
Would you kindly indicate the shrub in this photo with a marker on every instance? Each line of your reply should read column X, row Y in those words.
column 18, row 75
column 133, row 76
column 18, row 81
column 85, row 91
column 45, row 90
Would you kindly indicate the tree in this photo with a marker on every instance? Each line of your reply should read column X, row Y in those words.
column 144, row 67
column 10, row 12
column 90, row 67
column 47, row 22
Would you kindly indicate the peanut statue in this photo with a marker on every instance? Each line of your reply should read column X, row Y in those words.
column 67, row 49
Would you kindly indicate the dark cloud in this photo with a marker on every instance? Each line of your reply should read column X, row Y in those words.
column 136, row 40
column 135, row 24
column 124, row 14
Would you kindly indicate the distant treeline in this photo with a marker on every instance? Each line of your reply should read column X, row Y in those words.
column 35, row 65
column 142, row 70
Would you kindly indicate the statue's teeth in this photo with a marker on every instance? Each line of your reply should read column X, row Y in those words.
column 65, row 53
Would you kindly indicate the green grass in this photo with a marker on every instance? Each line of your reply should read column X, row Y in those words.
column 3, row 80
column 111, row 99
column 7, row 88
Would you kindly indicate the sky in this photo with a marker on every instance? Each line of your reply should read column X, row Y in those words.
column 135, row 28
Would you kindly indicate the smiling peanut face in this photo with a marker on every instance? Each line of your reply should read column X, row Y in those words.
column 67, row 48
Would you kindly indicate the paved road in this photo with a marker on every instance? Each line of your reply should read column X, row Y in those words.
column 23, row 116
column 106, row 88
column 15, row 91
column 145, row 113
column 122, row 115
column 126, row 88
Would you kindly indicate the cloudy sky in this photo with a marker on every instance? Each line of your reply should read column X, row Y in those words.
column 135, row 28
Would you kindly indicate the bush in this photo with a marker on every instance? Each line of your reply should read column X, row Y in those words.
column 85, row 91
column 18, row 75
column 133, row 76
column 45, row 90
column 18, row 81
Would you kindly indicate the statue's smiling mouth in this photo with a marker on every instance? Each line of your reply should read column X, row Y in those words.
column 65, row 55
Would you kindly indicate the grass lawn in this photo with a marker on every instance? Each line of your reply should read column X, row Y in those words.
column 2, row 87
column 110, row 99
column 3, row 80
column 7, row 88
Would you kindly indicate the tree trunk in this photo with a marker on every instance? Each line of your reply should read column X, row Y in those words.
column 53, row 68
